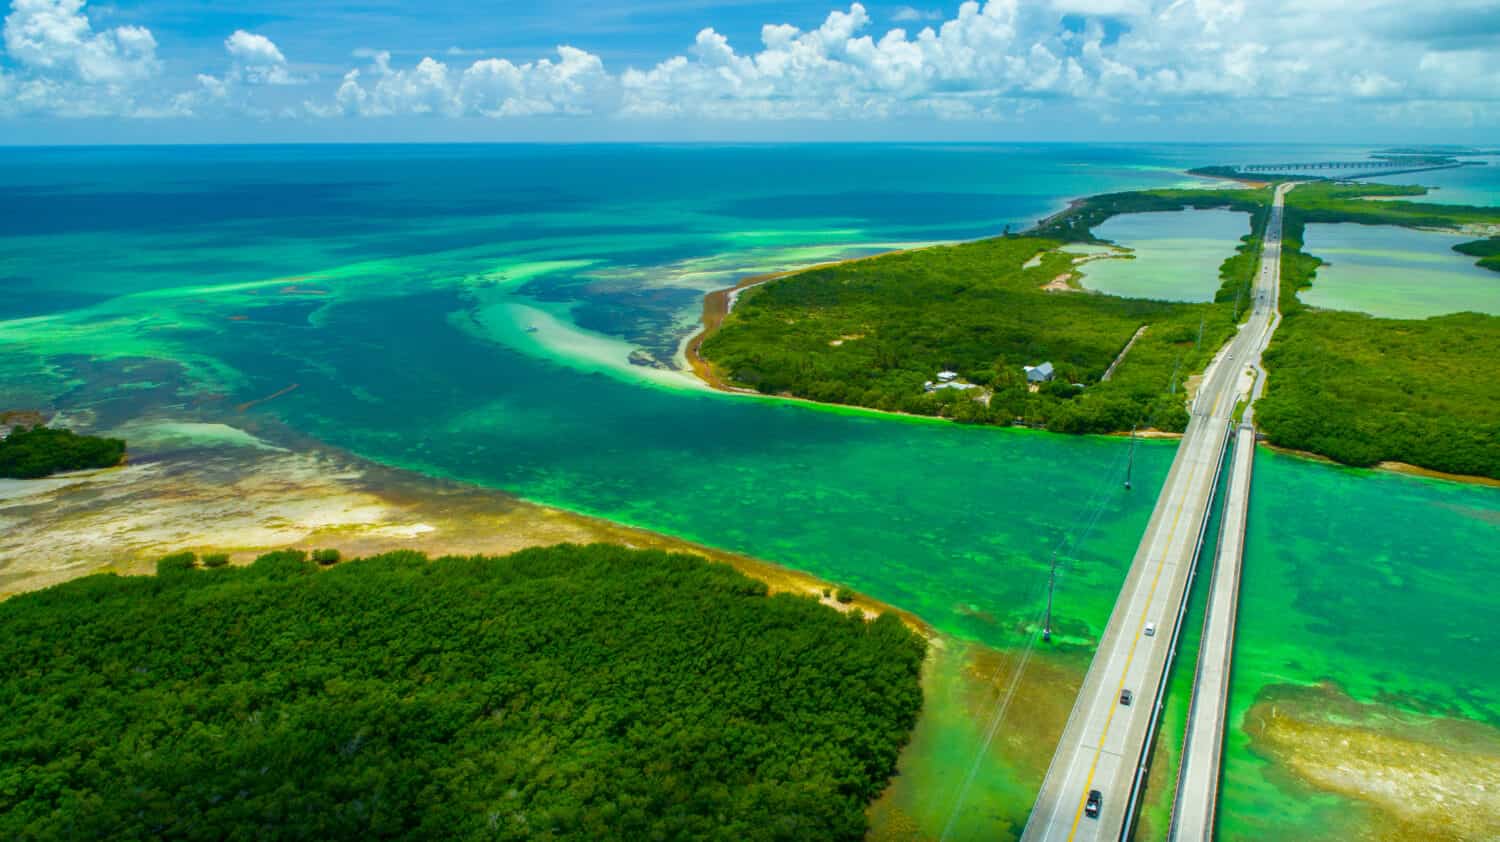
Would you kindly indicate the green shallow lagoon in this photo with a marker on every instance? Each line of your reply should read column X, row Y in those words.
column 1397, row 273
column 1177, row 253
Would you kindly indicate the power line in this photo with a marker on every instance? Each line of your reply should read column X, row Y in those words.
column 1094, row 512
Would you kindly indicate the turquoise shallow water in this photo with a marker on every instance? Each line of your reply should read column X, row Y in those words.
column 1463, row 186
column 470, row 312
column 1381, row 584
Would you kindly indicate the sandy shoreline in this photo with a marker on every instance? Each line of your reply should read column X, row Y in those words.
column 1392, row 467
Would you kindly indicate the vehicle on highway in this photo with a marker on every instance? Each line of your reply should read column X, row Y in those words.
column 1151, row 630
column 1126, row 697
column 1096, row 800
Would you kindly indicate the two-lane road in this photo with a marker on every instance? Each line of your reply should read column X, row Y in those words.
column 1104, row 745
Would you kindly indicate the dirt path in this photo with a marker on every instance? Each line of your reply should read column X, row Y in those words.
column 1110, row 372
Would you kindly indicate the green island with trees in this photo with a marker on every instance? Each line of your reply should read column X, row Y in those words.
column 1487, row 250
column 872, row 332
column 1349, row 386
column 569, row 692
column 35, row 452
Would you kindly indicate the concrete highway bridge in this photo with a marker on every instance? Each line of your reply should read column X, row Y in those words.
column 1106, row 744
column 1357, row 169
column 1345, row 165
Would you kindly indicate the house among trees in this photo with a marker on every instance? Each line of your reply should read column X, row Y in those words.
column 947, row 380
column 1038, row 373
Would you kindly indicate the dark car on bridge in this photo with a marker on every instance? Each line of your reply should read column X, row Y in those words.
column 1096, row 800
column 1126, row 697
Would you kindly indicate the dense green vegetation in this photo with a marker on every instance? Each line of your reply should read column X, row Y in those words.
column 1361, row 389
column 1352, row 387
column 562, row 693
column 872, row 332
column 30, row 453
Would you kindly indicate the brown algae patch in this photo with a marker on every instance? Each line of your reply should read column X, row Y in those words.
column 1424, row 777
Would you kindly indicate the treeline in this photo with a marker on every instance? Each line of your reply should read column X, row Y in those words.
column 1361, row 389
column 872, row 333
column 564, row 693
column 34, row 452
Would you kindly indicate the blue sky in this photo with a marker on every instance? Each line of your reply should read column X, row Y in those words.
column 1189, row 70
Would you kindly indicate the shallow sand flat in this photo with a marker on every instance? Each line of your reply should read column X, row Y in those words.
column 208, row 487
column 214, row 487
column 1422, row 777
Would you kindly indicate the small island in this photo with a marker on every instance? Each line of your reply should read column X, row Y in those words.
column 32, row 452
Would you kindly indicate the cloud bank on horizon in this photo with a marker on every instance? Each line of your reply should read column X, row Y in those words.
column 1176, row 60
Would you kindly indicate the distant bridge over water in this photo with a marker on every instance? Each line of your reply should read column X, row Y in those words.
column 1389, row 165
column 1350, row 165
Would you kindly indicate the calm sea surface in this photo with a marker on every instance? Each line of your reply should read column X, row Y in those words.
column 509, row 315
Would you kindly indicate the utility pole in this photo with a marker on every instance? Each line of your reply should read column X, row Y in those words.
column 1130, row 464
column 1201, row 321
column 1175, row 369
column 1051, row 583
column 1239, row 293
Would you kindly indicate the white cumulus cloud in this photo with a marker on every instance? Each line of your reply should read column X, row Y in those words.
column 64, row 67
column 575, row 83
column 907, row 14
column 53, row 37
column 256, row 59
column 1183, row 61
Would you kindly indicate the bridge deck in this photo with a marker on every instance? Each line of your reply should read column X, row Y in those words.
column 1198, row 778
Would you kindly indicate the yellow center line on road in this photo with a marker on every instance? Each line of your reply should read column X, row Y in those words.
column 1130, row 656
